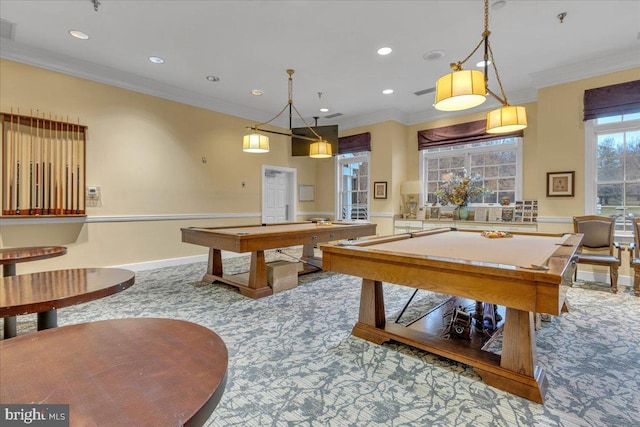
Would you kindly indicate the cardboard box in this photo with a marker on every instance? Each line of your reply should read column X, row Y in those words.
column 282, row 275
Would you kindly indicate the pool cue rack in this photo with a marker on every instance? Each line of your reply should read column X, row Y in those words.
column 43, row 166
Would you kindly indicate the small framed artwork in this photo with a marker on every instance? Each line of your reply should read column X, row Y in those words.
column 507, row 214
column 380, row 190
column 560, row 184
column 434, row 213
column 306, row 193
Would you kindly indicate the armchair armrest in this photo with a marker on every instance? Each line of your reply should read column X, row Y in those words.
column 619, row 248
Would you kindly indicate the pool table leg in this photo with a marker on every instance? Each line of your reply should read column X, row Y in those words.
column 519, row 372
column 372, row 317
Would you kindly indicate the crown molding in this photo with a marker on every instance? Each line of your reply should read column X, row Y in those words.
column 596, row 65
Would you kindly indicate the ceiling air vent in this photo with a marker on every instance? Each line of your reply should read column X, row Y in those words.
column 424, row 91
column 7, row 29
column 331, row 116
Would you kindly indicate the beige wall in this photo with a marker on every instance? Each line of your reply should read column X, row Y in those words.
column 145, row 153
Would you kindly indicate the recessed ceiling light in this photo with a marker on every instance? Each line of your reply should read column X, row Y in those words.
column 481, row 64
column 213, row 78
column 433, row 55
column 79, row 34
column 156, row 60
column 387, row 91
column 256, row 92
column 324, row 110
column 384, row 51
column 498, row 4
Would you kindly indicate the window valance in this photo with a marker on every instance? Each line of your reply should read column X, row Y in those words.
column 354, row 143
column 622, row 98
column 463, row 133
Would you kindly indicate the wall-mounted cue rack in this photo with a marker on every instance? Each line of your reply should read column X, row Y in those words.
column 43, row 166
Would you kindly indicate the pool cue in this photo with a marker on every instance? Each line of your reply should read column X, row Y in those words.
column 78, row 170
column 11, row 157
column 19, row 150
column 43, row 156
column 31, row 164
column 66, row 173
column 37, row 162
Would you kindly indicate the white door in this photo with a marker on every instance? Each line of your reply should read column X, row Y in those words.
column 278, row 187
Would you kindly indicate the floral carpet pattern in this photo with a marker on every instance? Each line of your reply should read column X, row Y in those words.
column 293, row 361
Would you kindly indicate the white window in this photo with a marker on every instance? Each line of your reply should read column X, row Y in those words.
column 612, row 168
column 498, row 163
column 353, row 186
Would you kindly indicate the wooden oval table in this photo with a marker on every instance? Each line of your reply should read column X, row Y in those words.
column 123, row 372
column 9, row 257
column 47, row 291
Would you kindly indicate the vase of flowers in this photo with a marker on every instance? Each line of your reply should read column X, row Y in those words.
column 458, row 189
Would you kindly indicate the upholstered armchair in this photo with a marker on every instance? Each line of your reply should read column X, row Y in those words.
column 598, row 246
column 634, row 256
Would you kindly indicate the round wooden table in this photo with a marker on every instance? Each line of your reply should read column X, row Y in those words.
column 47, row 291
column 9, row 257
column 122, row 372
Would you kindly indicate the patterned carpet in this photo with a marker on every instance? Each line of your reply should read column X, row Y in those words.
column 293, row 362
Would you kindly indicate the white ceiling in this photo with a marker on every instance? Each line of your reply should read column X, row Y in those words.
column 331, row 45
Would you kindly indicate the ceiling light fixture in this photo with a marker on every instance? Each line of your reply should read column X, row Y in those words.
column 324, row 110
column 213, row 78
column 156, row 60
column 463, row 89
column 387, row 91
column 79, row 34
column 384, row 51
column 257, row 92
column 257, row 143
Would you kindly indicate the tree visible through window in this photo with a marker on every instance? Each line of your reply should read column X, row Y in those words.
column 617, row 168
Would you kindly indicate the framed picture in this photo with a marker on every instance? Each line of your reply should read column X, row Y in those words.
column 422, row 213
column 507, row 214
column 434, row 213
column 560, row 184
column 306, row 193
column 380, row 190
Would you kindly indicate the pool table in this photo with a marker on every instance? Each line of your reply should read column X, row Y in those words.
column 258, row 238
column 526, row 273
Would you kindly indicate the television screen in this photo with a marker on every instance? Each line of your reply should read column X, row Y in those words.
column 300, row 147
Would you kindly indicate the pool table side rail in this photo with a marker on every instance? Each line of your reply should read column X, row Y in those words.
column 537, row 291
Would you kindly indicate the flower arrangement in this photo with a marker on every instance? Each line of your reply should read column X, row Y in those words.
column 459, row 188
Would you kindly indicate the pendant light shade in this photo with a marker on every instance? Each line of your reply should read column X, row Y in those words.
column 460, row 90
column 255, row 143
column 320, row 149
column 506, row 119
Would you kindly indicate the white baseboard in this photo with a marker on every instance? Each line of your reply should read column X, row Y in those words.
column 172, row 262
column 604, row 278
